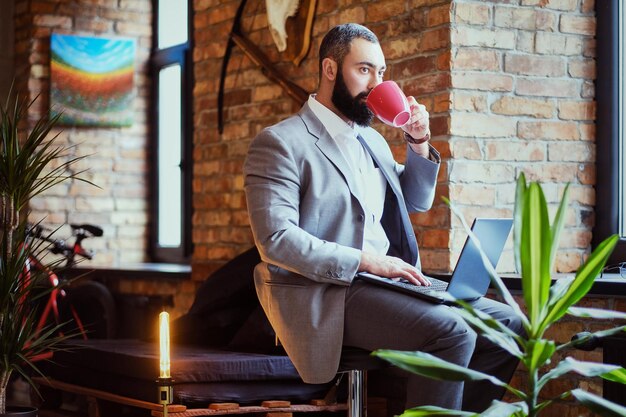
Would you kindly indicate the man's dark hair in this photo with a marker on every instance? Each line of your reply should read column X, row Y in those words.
column 336, row 43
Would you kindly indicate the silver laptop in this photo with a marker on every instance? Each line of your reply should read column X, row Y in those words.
column 470, row 279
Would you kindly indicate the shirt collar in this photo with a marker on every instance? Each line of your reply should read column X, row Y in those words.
column 334, row 124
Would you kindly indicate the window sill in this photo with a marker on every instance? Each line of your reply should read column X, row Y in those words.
column 153, row 271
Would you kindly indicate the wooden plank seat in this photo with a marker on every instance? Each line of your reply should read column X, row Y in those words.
column 96, row 397
column 125, row 372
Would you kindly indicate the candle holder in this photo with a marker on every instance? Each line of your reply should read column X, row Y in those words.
column 165, row 382
column 166, row 393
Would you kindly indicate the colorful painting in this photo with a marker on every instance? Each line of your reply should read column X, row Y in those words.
column 92, row 80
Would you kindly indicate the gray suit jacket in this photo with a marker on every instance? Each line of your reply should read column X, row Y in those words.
column 307, row 219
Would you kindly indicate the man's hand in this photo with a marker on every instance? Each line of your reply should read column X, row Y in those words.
column 391, row 267
column 418, row 126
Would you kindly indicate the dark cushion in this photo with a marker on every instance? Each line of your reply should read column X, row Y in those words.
column 200, row 375
column 222, row 304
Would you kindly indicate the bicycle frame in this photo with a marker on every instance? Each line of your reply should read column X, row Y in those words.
column 57, row 292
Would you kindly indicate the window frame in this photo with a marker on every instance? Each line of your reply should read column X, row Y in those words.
column 161, row 58
column 607, row 127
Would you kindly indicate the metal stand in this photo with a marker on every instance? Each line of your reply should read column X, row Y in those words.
column 357, row 381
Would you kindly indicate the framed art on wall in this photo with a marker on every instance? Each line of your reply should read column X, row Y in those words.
column 91, row 80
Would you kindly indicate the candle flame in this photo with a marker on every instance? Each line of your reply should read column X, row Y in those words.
column 164, row 333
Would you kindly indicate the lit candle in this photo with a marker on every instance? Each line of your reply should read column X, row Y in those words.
column 164, row 333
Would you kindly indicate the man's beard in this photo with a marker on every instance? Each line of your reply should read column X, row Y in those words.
column 354, row 108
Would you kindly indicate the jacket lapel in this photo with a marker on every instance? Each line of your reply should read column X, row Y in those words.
column 327, row 145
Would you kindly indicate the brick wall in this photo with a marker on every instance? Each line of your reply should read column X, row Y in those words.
column 6, row 49
column 523, row 101
column 118, row 157
column 509, row 86
column 416, row 41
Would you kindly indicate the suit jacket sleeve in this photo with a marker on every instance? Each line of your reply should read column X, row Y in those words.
column 273, row 182
column 418, row 180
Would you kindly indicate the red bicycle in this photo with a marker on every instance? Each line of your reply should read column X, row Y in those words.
column 83, row 307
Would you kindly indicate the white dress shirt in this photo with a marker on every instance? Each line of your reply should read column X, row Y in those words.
column 370, row 181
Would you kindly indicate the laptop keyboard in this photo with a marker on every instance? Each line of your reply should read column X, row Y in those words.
column 437, row 285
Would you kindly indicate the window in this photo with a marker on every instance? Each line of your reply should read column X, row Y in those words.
column 170, row 239
column 611, row 125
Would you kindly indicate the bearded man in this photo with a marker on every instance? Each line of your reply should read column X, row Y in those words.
column 327, row 200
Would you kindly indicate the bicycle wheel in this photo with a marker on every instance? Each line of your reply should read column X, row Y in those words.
column 92, row 305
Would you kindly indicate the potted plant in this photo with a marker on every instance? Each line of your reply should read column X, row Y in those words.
column 535, row 245
column 30, row 163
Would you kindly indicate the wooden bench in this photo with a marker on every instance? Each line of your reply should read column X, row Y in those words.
column 100, row 404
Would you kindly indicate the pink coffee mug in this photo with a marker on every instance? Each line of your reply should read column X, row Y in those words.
column 389, row 104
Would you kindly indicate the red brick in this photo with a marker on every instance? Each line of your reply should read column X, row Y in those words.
column 466, row 149
column 132, row 28
column 571, row 152
column 582, row 68
column 521, row 106
column 473, row 194
column 48, row 20
column 42, row 7
column 441, row 103
column 353, row 14
column 548, row 130
column 577, row 110
column 534, row 65
column 92, row 25
column 471, row 13
column 435, row 239
column 414, row 66
column 469, row 172
column 568, row 5
column 581, row 25
column 475, row 102
column 400, row 48
column 427, row 84
column 551, row 172
column 525, row 18
column 384, row 10
column 487, row 38
column 476, row 59
column 482, row 81
column 557, row 44
column 438, row 15
column 482, row 125
column 587, row 6
column 546, row 87
column 516, row 151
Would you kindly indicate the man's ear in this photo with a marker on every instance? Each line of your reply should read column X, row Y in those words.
column 329, row 69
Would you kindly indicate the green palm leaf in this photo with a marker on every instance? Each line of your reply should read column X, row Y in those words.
column 557, row 226
column 431, row 410
column 520, row 201
column 538, row 353
column 492, row 329
column 425, row 364
column 534, row 250
column 596, row 313
column 589, row 369
column 598, row 404
column 502, row 409
column 582, row 283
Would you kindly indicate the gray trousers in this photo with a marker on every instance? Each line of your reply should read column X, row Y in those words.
column 378, row 318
